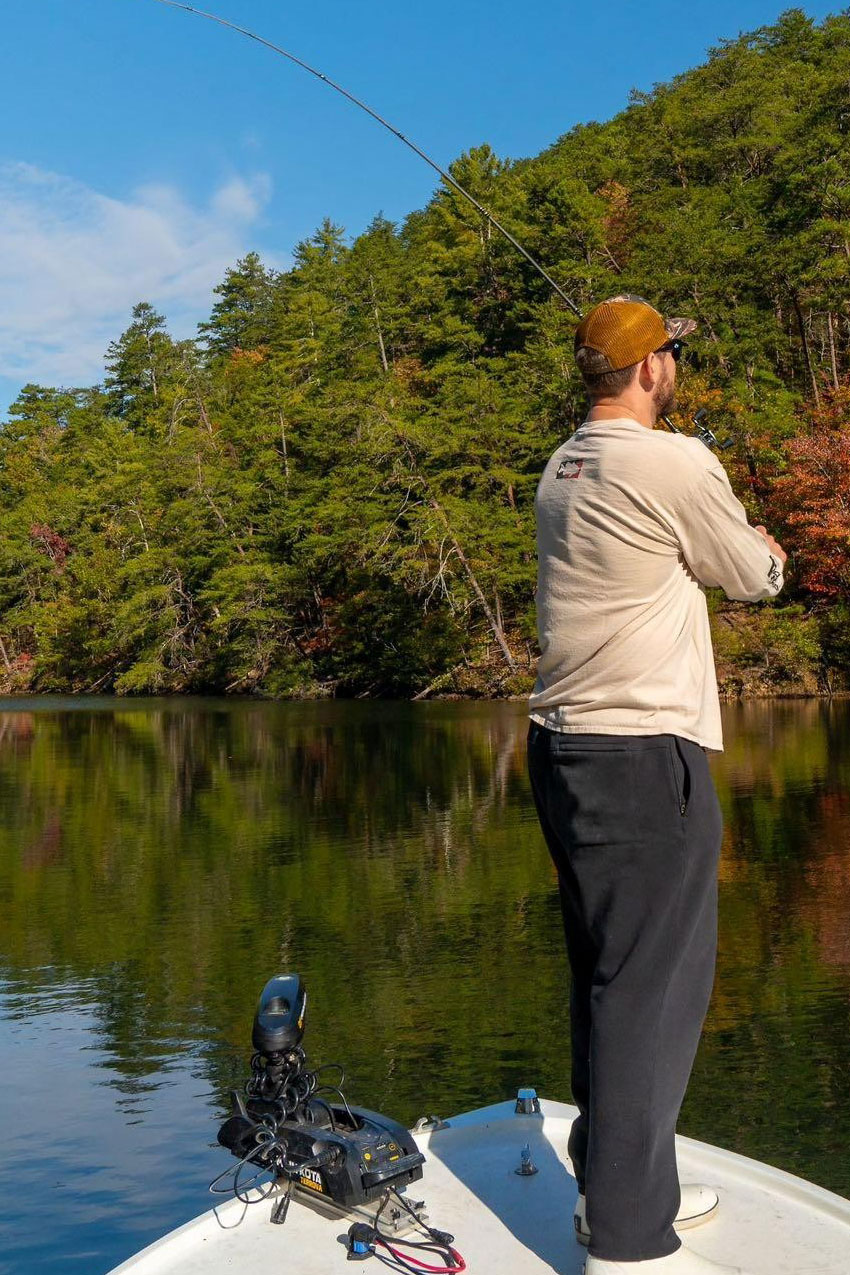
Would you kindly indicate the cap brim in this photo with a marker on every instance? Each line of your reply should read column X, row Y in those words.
column 678, row 329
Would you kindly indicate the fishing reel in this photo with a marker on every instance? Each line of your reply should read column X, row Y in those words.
column 299, row 1128
column 703, row 431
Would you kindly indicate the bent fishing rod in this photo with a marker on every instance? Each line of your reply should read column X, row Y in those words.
column 447, row 177
column 703, row 432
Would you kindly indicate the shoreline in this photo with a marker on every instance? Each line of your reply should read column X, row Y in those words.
column 446, row 697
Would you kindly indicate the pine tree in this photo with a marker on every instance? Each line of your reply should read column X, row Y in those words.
column 239, row 319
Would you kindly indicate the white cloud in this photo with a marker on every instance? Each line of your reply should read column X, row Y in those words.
column 241, row 200
column 73, row 262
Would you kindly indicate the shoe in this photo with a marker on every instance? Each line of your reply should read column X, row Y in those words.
column 699, row 1203
column 683, row 1262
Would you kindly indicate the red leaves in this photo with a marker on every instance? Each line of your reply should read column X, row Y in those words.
column 812, row 499
column 54, row 545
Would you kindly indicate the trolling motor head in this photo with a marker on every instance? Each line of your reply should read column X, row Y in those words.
column 279, row 1066
column 279, row 1020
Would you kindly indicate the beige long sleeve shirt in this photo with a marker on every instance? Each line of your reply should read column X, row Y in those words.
column 632, row 523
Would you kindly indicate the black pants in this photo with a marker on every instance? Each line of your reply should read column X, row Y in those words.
column 633, row 825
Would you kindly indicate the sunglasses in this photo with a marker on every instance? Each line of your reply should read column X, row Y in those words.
column 674, row 347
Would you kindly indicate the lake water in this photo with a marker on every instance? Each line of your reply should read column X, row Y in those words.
column 159, row 860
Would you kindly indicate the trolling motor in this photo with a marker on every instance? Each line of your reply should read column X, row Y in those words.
column 288, row 1124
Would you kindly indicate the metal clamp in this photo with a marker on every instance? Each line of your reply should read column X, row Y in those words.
column 429, row 1123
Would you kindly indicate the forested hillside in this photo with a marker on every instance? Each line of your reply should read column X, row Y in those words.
column 330, row 491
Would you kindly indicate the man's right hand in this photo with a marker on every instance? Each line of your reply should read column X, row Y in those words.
column 773, row 545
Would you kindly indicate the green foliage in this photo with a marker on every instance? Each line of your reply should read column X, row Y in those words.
column 331, row 491
column 835, row 638
column 774, row 648
column 240, row 317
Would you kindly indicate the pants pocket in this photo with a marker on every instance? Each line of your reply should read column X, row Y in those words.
column 681, row 773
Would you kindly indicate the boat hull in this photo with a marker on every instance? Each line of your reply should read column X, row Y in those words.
column 769, row 1222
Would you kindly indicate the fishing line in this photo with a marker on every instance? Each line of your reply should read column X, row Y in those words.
column 703, row 432
column 447, row 177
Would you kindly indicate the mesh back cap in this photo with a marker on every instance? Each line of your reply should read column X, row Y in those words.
column 623, row 330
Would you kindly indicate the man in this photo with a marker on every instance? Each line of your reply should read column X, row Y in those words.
column 631, row 524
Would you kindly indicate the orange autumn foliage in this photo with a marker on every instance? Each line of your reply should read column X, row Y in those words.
column 619, row 220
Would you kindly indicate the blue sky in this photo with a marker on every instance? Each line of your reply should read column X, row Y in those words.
column 142, row 150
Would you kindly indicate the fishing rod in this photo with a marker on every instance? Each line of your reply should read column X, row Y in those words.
column 447, row 177
column 703, row 432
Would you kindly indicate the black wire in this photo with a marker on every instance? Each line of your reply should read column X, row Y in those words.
column 264, row 1195
column 384, row 1201
column 336, row 1089
column 395, row 1264
column 397, row 1260
column 403, row 1202
column 451, row 1264
column 324, row 1067
column 235, row 1170
column 292, row 1087
column 429, row 1230
column 438, row 1246
column 327, row 1106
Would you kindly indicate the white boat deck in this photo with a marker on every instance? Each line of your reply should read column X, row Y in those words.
column 769, row 1222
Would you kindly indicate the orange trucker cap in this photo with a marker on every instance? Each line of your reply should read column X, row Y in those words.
column 622, row 331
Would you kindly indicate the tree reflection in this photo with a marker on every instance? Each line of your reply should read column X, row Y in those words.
column 169, row 856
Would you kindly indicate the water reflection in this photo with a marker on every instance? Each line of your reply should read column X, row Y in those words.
column 159, row 859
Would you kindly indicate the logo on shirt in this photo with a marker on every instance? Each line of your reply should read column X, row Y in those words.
column 773, row 574
column 569, row 469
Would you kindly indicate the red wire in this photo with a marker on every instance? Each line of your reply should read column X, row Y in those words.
column 460, row 1264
